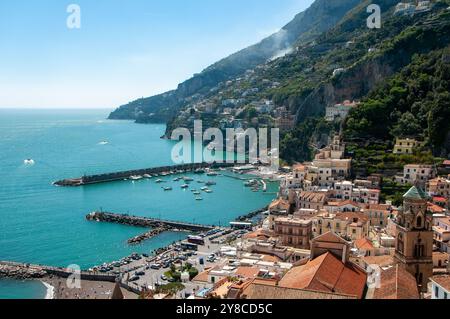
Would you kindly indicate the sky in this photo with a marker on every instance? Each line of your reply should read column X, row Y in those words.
column 123, row 50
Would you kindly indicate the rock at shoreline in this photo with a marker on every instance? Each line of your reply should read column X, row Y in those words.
column 21, row 272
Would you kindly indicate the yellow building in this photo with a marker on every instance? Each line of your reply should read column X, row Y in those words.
column 405, row 145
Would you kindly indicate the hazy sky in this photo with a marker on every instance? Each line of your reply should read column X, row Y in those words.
column 124, row 49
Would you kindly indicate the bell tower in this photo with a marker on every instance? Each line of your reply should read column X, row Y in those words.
column 414, row 244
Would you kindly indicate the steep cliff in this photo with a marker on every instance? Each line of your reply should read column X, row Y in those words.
column 320, row 17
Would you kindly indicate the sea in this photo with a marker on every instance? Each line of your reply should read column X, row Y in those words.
column 44, row 224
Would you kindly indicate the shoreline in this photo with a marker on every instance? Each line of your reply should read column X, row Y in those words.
column 50, row 290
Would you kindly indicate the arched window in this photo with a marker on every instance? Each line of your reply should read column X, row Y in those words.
column 419, row 222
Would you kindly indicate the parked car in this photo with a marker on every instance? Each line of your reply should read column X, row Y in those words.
column 135, row 278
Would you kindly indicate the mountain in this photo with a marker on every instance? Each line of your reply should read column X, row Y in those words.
column 306, row 26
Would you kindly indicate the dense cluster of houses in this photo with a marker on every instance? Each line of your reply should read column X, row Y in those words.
column 329, row 237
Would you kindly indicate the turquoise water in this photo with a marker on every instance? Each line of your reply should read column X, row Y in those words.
column 41, row 223
column 14, row 289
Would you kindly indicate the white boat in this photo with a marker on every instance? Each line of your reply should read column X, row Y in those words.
column 185, row 186
column 159, row 181
column 136, row 177
column 208, row 191
column 103, row 143
column 167, row 188
column 28, row 161
column 147, row 176
column 198, row 198
column 204, row 188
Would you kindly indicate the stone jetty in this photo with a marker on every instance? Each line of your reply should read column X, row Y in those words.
column 21, row 271
column 148, row 235
column 119, row 176
column 145, row 222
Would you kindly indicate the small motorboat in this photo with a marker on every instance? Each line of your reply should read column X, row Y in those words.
column 136, row 177
column 204, row 188
column 188, row 179
column 199, row 171
column 208, row 191
column 159, row 181
column 210, row 183
column 148, row 176
column 166, row 189
column 198, row 198
column 196, row 193
column 29, row 161
column 185, row 186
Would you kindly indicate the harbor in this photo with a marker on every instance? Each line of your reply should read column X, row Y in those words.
column 141, row 173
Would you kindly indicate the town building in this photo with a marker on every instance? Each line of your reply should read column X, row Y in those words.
column 378, row 214
column 339, row 111
column 406, row 145
column 414, row 245
column 349, row 225
column 416, row 174
column 311, row 200
column 293, row 232
column 329, row 270
column 440, row 187
column 440, row 287
column 346, row 190
column 286, row 121
column 441, row 229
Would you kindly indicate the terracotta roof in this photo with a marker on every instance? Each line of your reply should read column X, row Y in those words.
column 435, row 208
column 259, row 290
column 258, row 234
column 203, row 276
column 313, row 196
column 327, row 273
column 382, row 261
column 247, row 272
column 363, row 243
column 271, row 258
column 397, row 283
column 439, row 199
column 279, row 204
column 360, row 217
column 330, row 237
column 443, row 281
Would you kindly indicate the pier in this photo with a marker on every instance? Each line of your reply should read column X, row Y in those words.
column 119, row 176
column 145, row 222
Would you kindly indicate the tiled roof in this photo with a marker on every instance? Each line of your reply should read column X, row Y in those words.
column 382, row 261
column 259, row 290
column 327, row 273
column 443, row 281
column 397, row 283
column 247, row 272
column 363, row 243
column 415, row 193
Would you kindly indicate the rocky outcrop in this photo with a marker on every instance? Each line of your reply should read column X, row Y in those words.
column 21, row 272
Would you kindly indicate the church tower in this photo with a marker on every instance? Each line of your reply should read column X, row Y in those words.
column 414, row 245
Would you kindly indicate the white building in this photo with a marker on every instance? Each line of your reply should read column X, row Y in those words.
column 440, row 288
column 417, row 174
column 339, row 111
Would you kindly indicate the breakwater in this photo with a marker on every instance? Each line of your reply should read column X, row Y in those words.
column 148, row 235
column 145, row 222
column 23, row 271
column 118, row 176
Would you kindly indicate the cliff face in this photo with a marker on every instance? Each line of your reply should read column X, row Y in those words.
column 320, row 17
